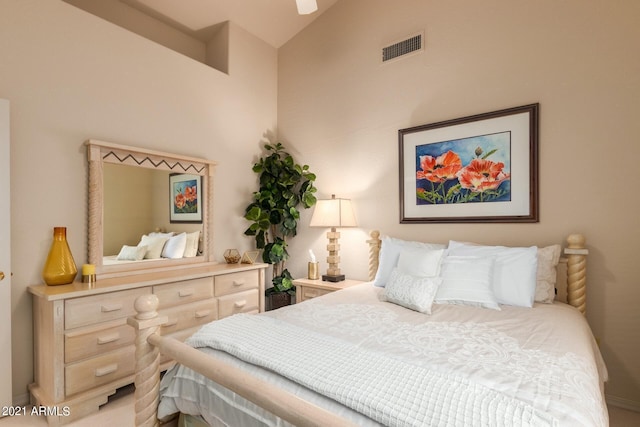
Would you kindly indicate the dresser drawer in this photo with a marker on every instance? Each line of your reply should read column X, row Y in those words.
column 241, row 302
column 100, row 308
column 99, row 370
column 184, row 292
column 189, row 315
column 308, row 293
column 226, row 284
column 92, row 341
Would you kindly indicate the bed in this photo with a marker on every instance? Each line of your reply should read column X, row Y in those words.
column 413, row 346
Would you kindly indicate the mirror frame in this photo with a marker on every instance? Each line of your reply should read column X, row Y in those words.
column 101, row 152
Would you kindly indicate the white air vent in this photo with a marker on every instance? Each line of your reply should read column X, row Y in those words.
column 403, row 48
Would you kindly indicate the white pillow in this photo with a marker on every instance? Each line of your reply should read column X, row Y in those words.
column 415, row 293
column 154, row 246
column 175, row 246
column 467, row 280
column 193, row 240
column 389, row 254
column 159, row 234
column 131, row 253
column 420, row 262
column 546, row 275
column 514, row 273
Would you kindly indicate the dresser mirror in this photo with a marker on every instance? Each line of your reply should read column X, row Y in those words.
column 139, row 197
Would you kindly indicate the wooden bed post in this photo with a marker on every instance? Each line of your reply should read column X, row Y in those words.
column 577, row 272
column 374, row 253
column 147, row 379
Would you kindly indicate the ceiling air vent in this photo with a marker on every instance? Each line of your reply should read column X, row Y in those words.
column 400, row 49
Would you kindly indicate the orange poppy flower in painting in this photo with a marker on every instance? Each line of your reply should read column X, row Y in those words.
column 481, row 175
column 439, row 169
column 180, row 201
column 191, row 193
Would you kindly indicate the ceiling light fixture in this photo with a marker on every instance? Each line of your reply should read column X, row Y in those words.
column 306, row 7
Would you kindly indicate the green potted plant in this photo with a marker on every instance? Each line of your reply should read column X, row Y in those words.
column 273, row 213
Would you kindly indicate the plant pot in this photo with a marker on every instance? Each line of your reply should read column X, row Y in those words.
column 278, row 300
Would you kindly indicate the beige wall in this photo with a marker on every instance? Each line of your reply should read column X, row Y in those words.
column 340, row 110
column 71, row 76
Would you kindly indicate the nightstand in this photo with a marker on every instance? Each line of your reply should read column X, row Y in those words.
column 307, row 288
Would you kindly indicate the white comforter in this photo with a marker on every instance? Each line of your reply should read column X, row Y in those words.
column 458, row 366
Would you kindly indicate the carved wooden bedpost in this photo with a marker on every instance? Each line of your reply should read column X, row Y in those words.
column 374, row 253
column 147, row 379
column 577, row 272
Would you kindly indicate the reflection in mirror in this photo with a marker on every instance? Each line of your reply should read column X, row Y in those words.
column 136, row 202
column 129, row 203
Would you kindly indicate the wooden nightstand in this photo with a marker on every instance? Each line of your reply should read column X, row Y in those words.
column 307, row 288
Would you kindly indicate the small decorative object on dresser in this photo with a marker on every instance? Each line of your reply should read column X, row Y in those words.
column 249, row 257
column 60, row 268
column 308, row 288
column 231, row 256
column 88, row 273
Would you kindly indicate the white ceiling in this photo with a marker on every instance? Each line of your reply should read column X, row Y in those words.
column 274, row 21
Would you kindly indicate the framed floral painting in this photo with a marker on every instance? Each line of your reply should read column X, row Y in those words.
column 481, row 168
column 185, row 198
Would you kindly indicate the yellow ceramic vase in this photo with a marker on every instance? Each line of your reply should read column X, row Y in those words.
column 60, row 268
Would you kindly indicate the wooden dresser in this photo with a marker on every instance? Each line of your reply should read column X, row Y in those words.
column 84, row 349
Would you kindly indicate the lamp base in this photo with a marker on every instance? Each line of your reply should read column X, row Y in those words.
column 329, row 278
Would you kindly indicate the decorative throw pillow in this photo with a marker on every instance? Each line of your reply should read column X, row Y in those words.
column 467, row 280
column 514, row 272
column 159, row 234
column 154, row 246
column 175, row 246
column 415, row 293
column 193, row 240
column 131, row 253
column 420, row 262
column 390, row 253
column 546, row 275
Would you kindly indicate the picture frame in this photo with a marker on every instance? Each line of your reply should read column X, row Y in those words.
column 475, row 169
column 185, row 198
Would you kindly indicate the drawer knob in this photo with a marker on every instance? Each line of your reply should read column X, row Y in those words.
column 202, row 313
column 110, row 307
column 106, row 370
column 240, row 304
column 185, row 293
column 238, row 282
column 106, row 339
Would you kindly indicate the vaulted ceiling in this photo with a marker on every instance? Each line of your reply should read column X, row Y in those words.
column 274, row 21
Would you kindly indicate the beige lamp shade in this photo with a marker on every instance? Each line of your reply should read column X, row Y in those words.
column 333, row 213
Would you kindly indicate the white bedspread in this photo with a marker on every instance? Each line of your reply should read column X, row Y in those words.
column 458, row 366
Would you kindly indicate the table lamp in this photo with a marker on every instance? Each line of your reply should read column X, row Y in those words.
column 333, row 213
